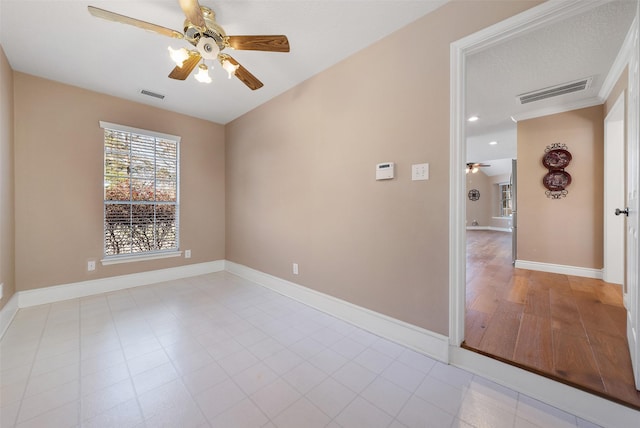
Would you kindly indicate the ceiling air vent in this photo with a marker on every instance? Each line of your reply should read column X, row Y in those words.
column 152, row 94
column 554, row 91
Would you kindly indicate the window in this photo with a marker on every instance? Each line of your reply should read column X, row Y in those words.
column 141, row 201
column 505, row 200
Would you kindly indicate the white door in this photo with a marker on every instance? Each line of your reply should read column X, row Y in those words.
column 614, row 193
column 631, row 295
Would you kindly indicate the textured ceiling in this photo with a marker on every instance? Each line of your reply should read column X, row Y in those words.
column 61, row 41
column 578, row 47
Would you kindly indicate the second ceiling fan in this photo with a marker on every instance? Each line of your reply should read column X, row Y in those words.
column 474, row 167
column 209, row 39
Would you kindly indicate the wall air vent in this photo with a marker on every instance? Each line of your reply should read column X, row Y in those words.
column 554, row 91
column 152, row 94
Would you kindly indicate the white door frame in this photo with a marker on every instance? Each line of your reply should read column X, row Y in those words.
column 632, row 281
column 534, row 18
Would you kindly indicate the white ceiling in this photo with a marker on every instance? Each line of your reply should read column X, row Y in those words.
column 574, row 48
column 61, row 41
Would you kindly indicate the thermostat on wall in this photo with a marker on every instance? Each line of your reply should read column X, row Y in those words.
column 384, row 171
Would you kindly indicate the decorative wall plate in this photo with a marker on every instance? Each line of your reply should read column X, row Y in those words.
column 556, row 180
column 474, row 194
column 556, row 159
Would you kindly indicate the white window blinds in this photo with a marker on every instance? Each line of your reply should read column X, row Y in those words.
column 141, row 201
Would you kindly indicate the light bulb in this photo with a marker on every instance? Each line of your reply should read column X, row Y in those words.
column 179, row 56
column 229, row 67
column 475, row 169
column 203, row 74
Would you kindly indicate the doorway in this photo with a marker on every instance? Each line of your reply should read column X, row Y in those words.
column 458, row 158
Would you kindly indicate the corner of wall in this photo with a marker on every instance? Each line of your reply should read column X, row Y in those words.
column 7, row 216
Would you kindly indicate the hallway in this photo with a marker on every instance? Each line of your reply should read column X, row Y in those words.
column 568, row 328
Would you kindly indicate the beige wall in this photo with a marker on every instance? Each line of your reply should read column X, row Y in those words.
column 300, row 172
column 567, row 231
column 58, row 182
column 486, row 210
column 479, row 210
column 7, row 275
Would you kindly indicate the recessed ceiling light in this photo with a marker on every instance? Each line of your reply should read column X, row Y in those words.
column 493, row 143
column 473, row 118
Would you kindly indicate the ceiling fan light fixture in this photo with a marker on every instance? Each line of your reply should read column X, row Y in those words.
column 203, row 74
column 230, row 68
column 179, row 56
column 208, row 48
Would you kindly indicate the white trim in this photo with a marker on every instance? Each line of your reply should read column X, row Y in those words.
column 457, row 194
column 539, row 16
column 619, row 64
column 7, row 313
column 433, row 344
column 561, row 269
column 138, row 257
column 493, row 228
column 74, row 290
column 560, row 108
column 587, row 406
column 125, row 128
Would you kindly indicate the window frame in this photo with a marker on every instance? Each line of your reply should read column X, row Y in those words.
column 144, row 255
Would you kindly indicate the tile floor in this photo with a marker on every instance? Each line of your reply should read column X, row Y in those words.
column 219, row 351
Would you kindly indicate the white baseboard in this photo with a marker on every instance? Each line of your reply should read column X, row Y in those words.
column 587, row 406
column 496, row 229
column 416, row 338
column 561, row 269
column 40, row 296
column 8, row 311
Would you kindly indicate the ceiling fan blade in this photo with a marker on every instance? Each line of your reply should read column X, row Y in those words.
column 181, row 73
column 111, row 16
column 192, row 11
column 244, row 75
column 259, row 43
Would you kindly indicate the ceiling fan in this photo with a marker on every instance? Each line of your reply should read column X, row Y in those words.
column 209, row 40
column 474, row 167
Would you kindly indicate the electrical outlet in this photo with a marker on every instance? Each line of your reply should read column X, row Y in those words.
column 187, row 254
column 295, row 268
column 91, row 265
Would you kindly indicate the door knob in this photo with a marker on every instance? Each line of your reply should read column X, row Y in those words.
column 624, row 211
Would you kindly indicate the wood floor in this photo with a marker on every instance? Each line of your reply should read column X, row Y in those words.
column 569, row 328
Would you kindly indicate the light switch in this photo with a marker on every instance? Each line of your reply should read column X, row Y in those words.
column 420, row 171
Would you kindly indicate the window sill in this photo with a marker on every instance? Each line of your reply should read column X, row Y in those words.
column 138, row 258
